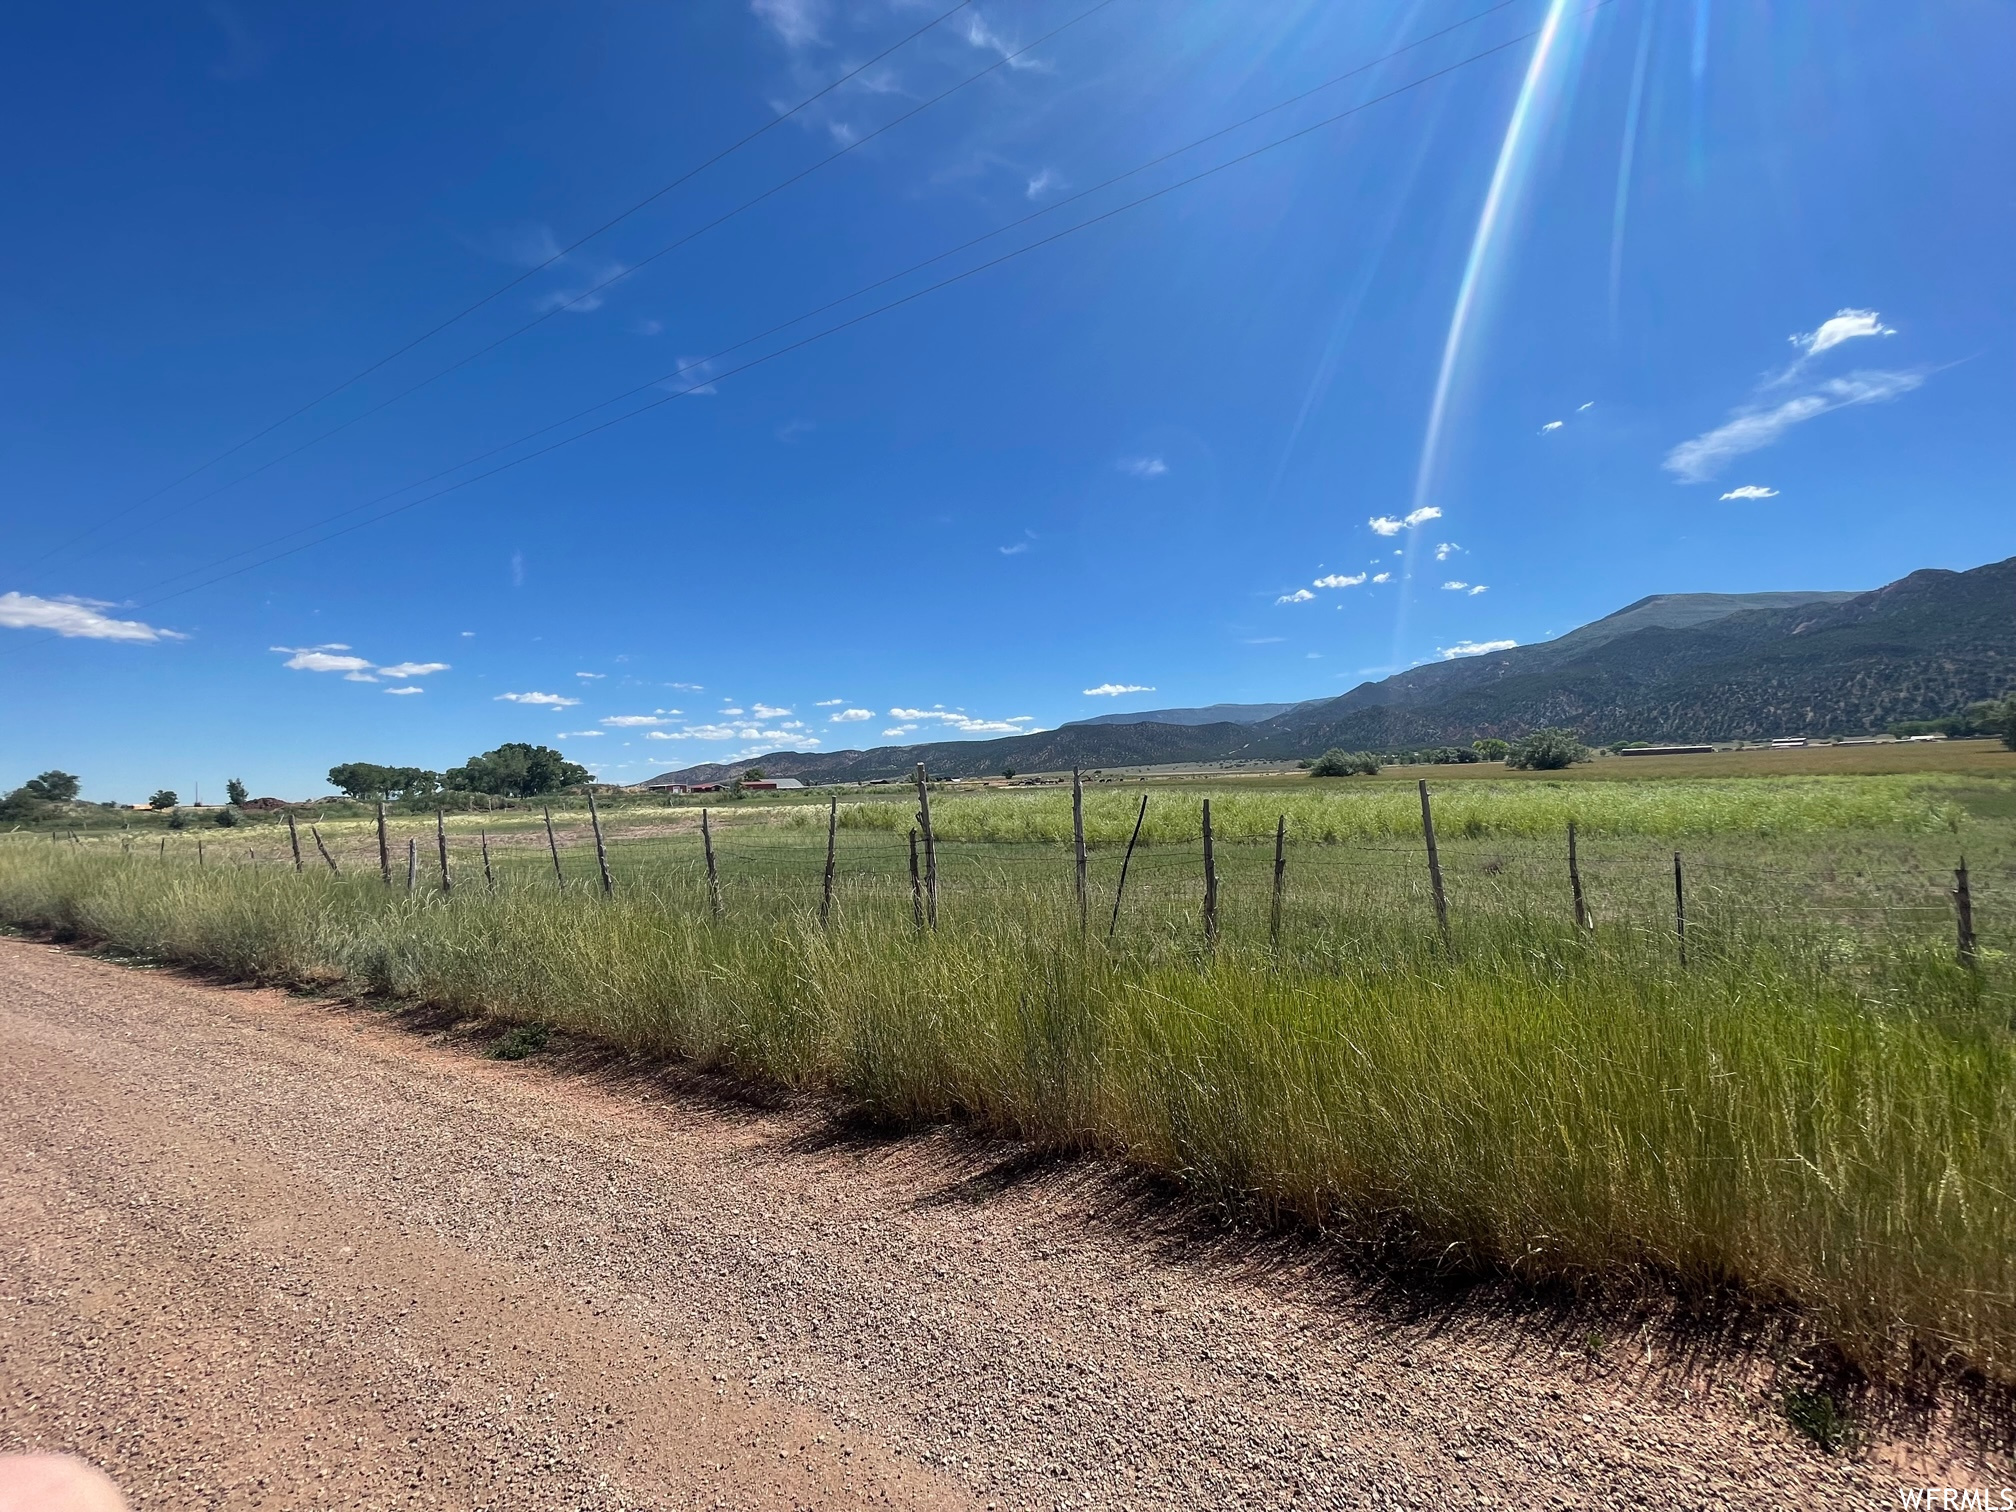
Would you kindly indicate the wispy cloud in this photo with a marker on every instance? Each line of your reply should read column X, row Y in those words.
column 768, row 711
column 1340, row 580
column 1016, row 550
column 688, row 687
column 1477, row 588
column 413, row 669
column 596, row 675
column 409, row 688
column 1755, row 427
column 550, row 700
column 579, row 735
column 958, row 720
column 1299, row 596
column 829, row 703
column 981, row 35
column 1455, row 585
column 852, row 716
column 1476, row 648
column 1446, row 550
column 797, row 23
column 633, row 721
column 326, row 658
column 1040, row 184
column 1382, row 577
column 1552, row 425
column 1142, row 467
column 1386, row 525
column 1751, row 491
column 1114, row 690
column 74, row 617
column 1845, row 325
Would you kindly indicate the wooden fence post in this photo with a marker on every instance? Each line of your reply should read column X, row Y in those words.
column 1963, row 908
column 916, row 884
column 164, row 847
column 713, row 877
column 412, row 862
column 489, row 877
column 294, row 839
column 1434, row 865
column 1078, row 840
column 1575, row 881
column 1125, row 862
column 441, row 844
column 826, row 887
column 1210, row 883
column 553, row 845
column 199, row 849
column 930, row 848
column 312, row 830
column 1680, row 909
column 601, row 852
column 384, row 849
column 1280, row 876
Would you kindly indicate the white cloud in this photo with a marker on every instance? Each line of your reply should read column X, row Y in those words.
column 1476, row 648
column 980, row 34
column 955, row 719
column 1386, row 525
column 580, row 735
column 1756, row 427
column 765, row 711
column 1016, row 550
column 1299, row 596
column 632, row 721
column 853, row 716
column 1846, row 325
column 74, row 617
column 1581, row 407
column 1751, row 491
column 396, row 691
column 1143, row 467
column 1382, row 577
column 323, row 659
column 595, row 675
column 899, row 729
column 1479, row 588
column 733, row 713
column 688, row 687
column 1339, row 580
column 1552, row 425
column 412, row 669
column 1446, row 550
column 1041, row 182
column 796, row 22
column 1114, row 690
column 1455, row 585
column 550, row 700
column 829, row 703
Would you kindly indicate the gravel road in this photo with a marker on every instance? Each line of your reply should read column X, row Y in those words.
column 257, row 1251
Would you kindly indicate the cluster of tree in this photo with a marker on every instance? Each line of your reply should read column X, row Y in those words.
column 1335, row 763
column 39, row 794
column 513, row 770
column 1546, row 751
column 1990, row 716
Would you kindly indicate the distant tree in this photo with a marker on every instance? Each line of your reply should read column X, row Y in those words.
column 1489, row 749
column 515, row 770
column 1546, row 751
column 164, row 798
column 234, row 791
column 368, row 780
column 754, row 774
column 1336, row 763
column 1007, row 772
column 225, row 817
column 52, row 787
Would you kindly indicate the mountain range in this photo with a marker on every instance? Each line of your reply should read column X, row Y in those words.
column 1680, row 667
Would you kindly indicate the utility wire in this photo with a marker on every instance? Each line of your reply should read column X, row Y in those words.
column 657, row 194
column 881, row 309
column 622, row 273
column 703, row 364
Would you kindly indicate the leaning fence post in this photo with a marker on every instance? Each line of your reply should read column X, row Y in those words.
column 489, row 877
column 1210, row 882
column 930, row 848
column 1963, row 908
column 916, row 884
column 312, row 830
column 601, row 852
column 384, row 849
column 441, row 844
column 713, row 877
column 1126, row 861
column 1575, row 881
column 553, row 845
column 412, row 862
column 826, row 887
column 294, row 839
column 1680, row 909
column 1434, row 864
column 1280, row 875
column 1078, row 840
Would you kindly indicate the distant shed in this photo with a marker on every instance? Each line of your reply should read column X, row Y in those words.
column 771, row 785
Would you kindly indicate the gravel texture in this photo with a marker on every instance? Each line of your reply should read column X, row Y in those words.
column 257, row 1251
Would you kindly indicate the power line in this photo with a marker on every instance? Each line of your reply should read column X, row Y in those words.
column 623, row 273
column 657, row 194
column 881, row 309
column 702, row 364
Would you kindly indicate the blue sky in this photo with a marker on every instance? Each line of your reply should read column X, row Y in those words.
column 1672, row 296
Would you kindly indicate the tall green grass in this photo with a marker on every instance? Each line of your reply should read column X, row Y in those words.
column 1834, row 1128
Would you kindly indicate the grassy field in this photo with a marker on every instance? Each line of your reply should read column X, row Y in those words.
column 1817, row 1106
